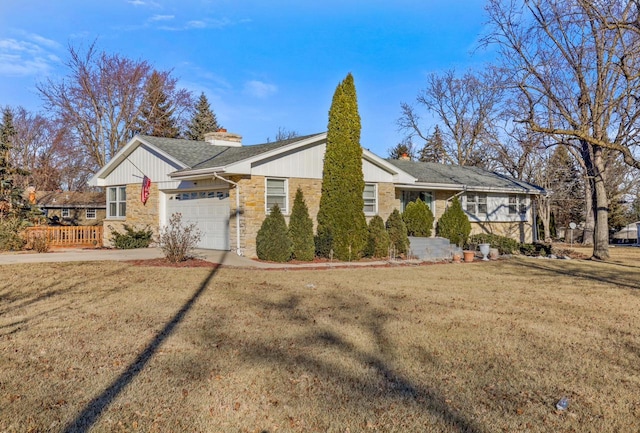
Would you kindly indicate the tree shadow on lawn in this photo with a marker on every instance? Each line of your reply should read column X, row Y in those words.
column 381, row 382
column 94, row 409
column 603, row 272
column 14, row 300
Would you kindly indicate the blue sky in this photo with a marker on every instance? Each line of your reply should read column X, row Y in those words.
column 263, row 64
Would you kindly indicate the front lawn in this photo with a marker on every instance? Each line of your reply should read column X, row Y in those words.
column 483, row 347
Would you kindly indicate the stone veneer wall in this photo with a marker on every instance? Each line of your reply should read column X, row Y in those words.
column 252, row 203
column 520, row 231
column 139, row 215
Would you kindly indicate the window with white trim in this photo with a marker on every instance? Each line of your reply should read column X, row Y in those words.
column 476, row 204
column 517, row 204
column 90, row 213
column 65, row 212
column 276, row 193
column 117, row 202
column 370, row 196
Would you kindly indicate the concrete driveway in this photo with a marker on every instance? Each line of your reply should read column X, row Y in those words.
column 84, row 255
column 226, row 258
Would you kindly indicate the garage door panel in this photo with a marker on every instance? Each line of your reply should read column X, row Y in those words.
column 208, row 210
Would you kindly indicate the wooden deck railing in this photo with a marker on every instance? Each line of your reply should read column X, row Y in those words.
column 67, row 236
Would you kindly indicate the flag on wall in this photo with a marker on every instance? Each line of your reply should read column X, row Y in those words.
column 146, row 186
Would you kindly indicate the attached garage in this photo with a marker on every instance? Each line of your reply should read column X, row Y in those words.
column 208, row 210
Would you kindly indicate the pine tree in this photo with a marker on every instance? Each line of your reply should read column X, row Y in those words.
column 378, row 243
column 156, row 112
column 342, row 226
column 454, row 224
column 433, row 150
column 10, row 194
column 204, row 120
column 301, row 229
column 402, row 150
column 272, row 241
column 397, row 233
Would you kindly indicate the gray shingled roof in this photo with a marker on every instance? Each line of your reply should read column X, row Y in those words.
column 431, row 172
column 200, row 154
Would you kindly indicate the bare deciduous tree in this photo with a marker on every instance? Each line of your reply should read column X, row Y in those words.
column 579, row 77
column 467, row 107
column 100, row 100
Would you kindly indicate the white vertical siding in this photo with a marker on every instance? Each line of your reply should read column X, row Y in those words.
column 373, row 173
column 303, row 163
column 498, row 209
column 143, row 162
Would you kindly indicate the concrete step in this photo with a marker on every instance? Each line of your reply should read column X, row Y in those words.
column 432, row 249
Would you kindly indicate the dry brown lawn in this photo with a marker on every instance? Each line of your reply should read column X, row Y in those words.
column 483, row 347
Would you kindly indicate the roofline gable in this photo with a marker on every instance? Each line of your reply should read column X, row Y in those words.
column 122, row 154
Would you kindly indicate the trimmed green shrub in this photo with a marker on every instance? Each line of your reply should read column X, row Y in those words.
column 454, row 224
column 131, row 238
column 504, row 244
column 272, row 242
column 535, row 249
column 378, row 243
column 342, row 226
column 301, row 230
column 10, row 234
column 397, row 233
column 418, row 218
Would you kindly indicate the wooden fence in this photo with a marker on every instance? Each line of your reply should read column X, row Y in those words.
column 67, row 236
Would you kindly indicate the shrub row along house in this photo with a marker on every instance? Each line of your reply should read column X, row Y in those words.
column 227, row 189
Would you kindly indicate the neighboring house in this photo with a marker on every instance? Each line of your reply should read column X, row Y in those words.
column 72, row 208
column 227, row 189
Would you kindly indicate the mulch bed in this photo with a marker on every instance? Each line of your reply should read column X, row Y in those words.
column 163, row 262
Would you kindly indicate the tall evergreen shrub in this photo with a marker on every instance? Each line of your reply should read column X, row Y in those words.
column 378, row 244
column 418, row 219
column 342, row 226
column 272, row 242
column 397, row 233
column 454, row 224
column 301, row 229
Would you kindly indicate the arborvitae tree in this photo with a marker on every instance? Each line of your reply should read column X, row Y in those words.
column 418, row 218
column 10, row 194
column 378, row 244
column 272, row 242
column 204, row 120
column 156, row 113
column 454, row 224
column 301, row 230
column 342, row 226
column 397, row 233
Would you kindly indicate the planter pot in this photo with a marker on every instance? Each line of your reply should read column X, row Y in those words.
column 485, row 249
column 494, row 253
column 456, row 258
column 468, row 256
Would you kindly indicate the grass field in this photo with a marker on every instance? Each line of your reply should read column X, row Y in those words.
column 482, row 347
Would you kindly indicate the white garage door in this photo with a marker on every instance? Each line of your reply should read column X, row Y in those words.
column 209, row 210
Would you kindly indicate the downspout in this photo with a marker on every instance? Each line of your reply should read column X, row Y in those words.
column 238, row 249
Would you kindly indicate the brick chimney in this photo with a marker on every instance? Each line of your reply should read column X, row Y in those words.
column 405, row 157
column 223, row 138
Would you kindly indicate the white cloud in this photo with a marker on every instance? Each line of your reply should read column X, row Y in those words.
column 162, row 18
column 259, row 89
column 29, row 56
column 196, row 24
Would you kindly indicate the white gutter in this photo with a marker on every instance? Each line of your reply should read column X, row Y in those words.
column 238, row 249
